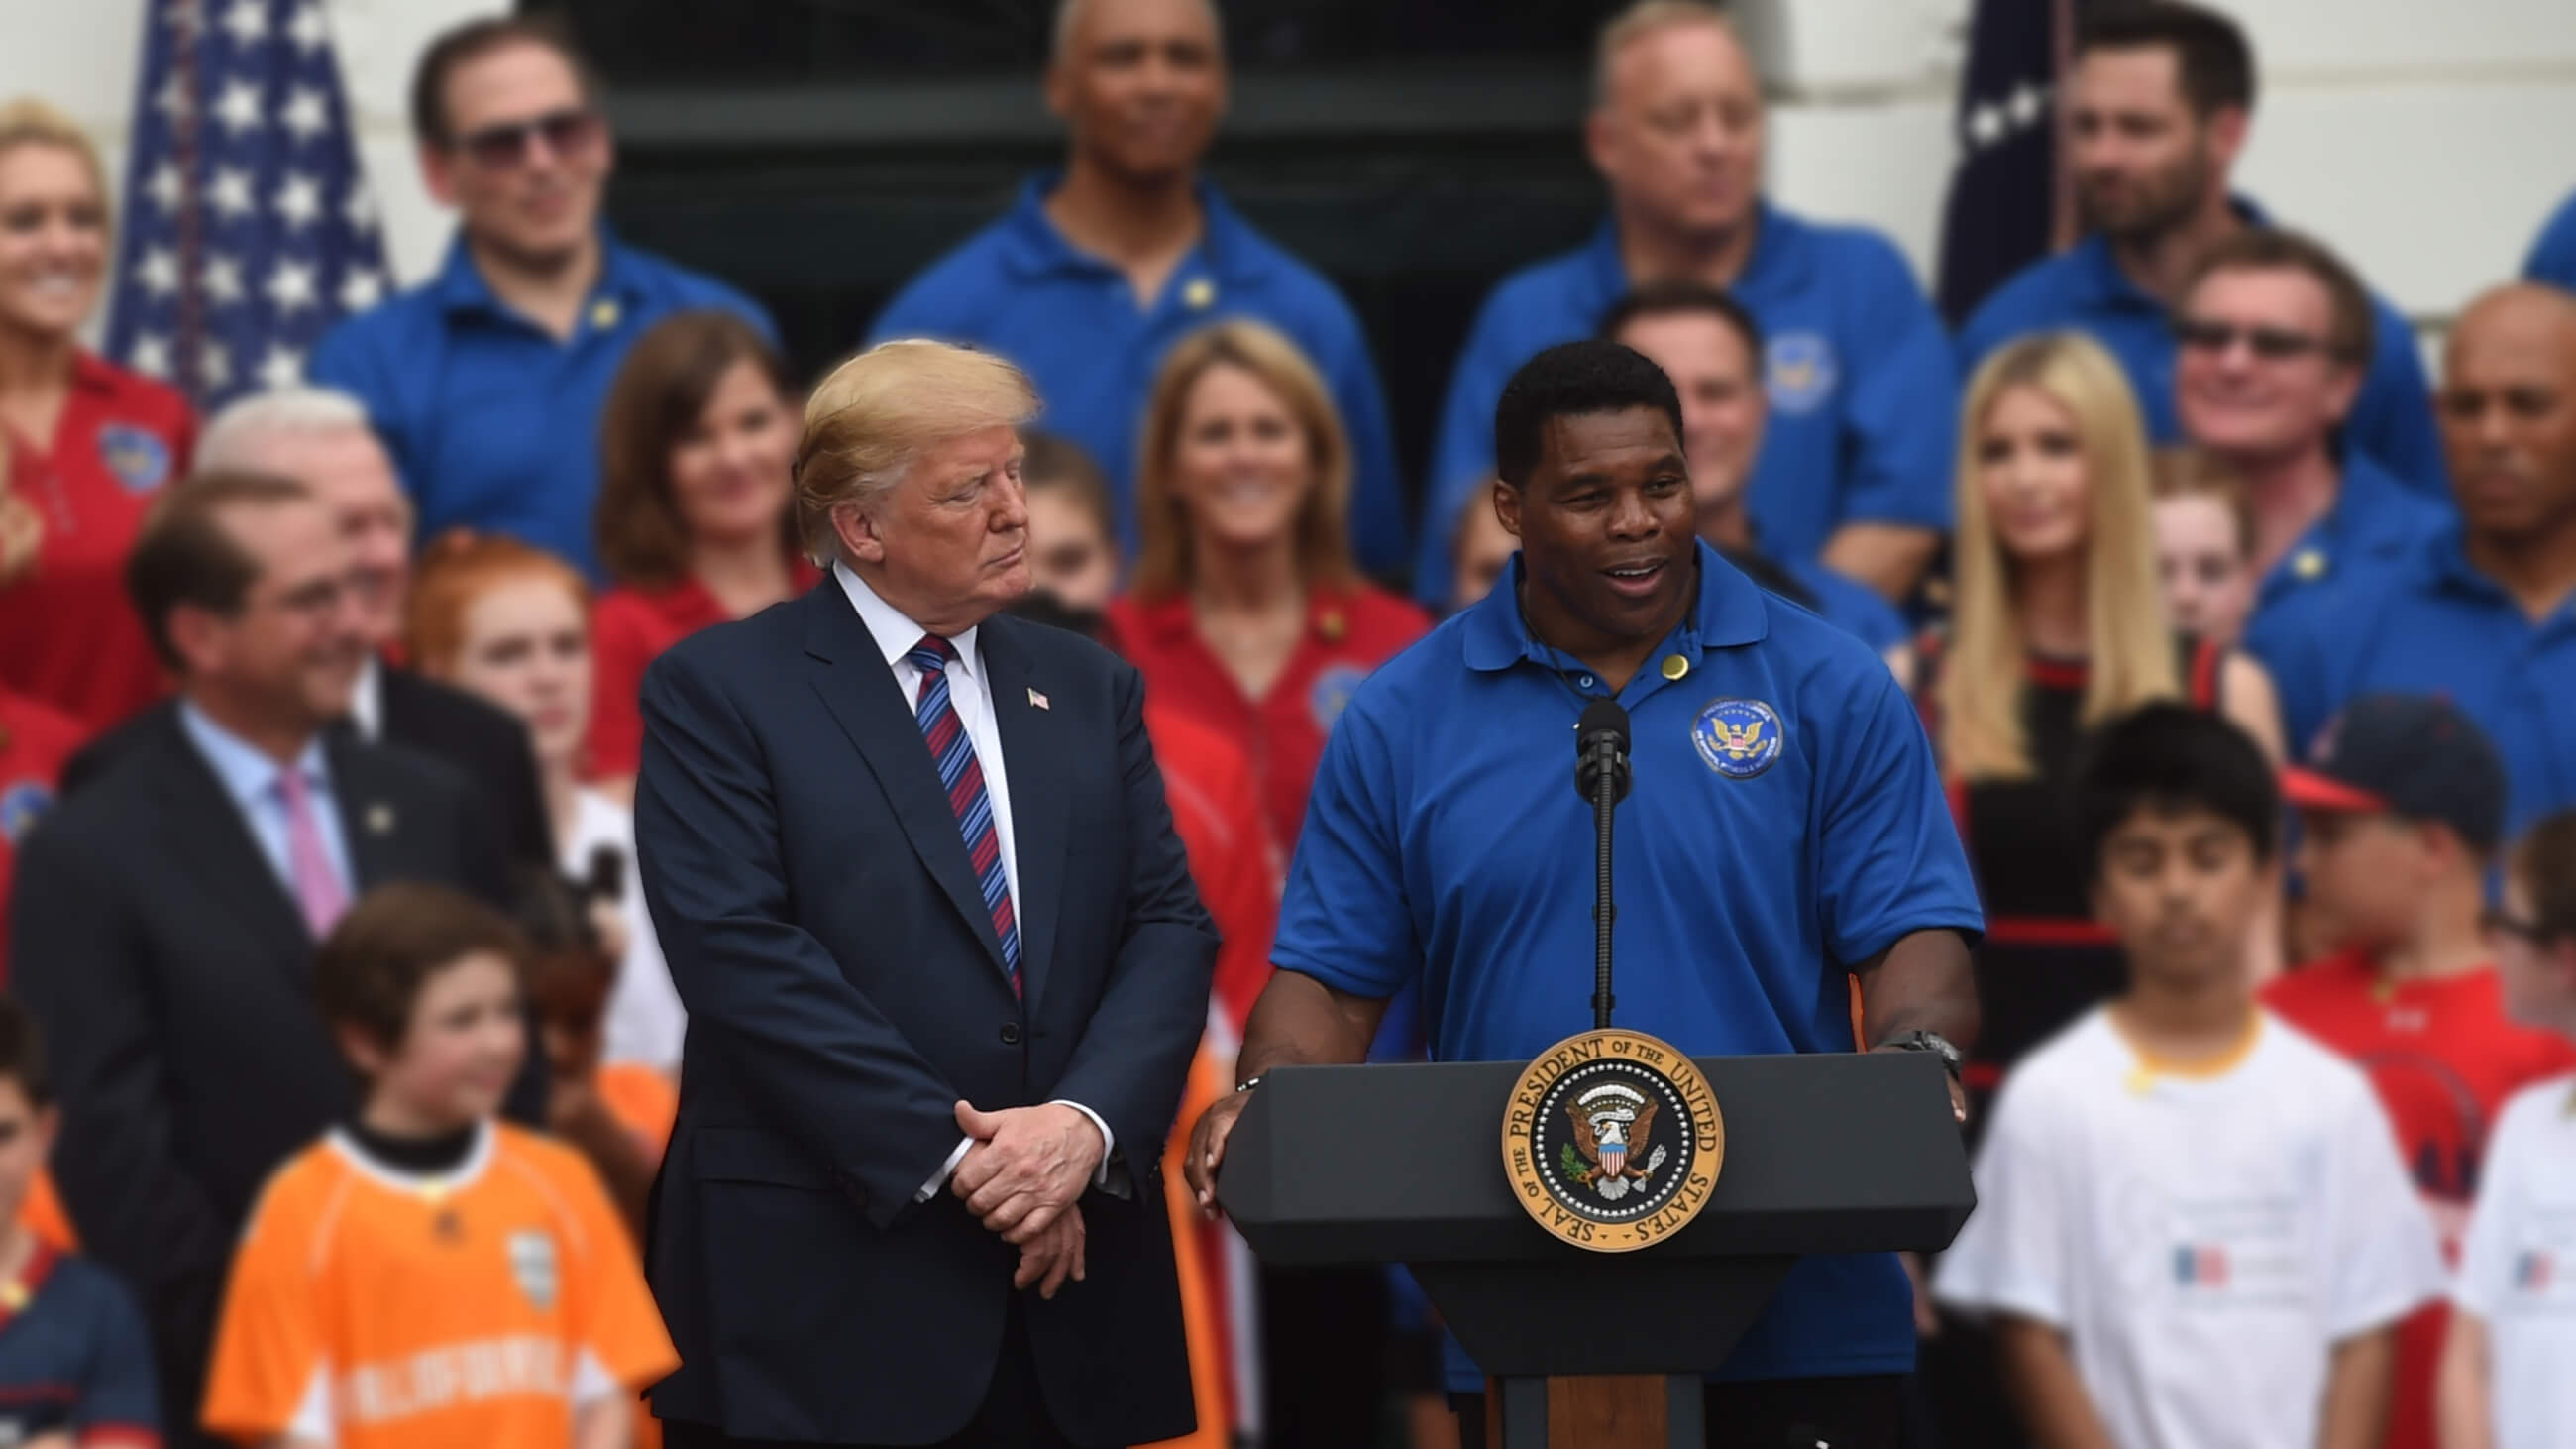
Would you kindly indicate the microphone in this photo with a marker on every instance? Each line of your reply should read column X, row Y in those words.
column 1601, row 747
column 1601, row 777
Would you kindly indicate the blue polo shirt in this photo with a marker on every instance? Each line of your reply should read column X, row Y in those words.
column 492, row 422
column 1850, row 605
column 74, row 1357
column 1444, row 843
column 1864, row 395
column 2427, row 622
column 2375, row 521
column 2083, row 289
column 2553, row 255
column 1072, row 322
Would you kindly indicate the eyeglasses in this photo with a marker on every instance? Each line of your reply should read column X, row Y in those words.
column 500, row 147
column 2272, row 344
column 2496, row 921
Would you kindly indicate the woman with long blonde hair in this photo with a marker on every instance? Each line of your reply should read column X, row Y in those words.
column 2058, row 625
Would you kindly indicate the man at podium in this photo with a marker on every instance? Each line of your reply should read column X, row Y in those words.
column 1785, row 836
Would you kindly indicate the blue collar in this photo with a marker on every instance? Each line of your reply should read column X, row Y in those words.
column 2445, row 567
column 1730, row 614
column 2106, row 286
column 1778, row 263
column 459, row 286
column 1033, row 247
column 247, row 775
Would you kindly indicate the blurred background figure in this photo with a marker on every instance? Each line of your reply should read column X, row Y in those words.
column 2158, row 106
column 1481, row 550
column 695, row 520
column 2553, row 253
column 1073, row 524
column 480, row 381
column 617, row 1113
column 2204, row 524
column 36, row 743
column 1099, row 268
column 512, row 624
column 1856, row 363
column 84, row 445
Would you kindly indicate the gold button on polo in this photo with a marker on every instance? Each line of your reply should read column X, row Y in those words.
column 1675, row 666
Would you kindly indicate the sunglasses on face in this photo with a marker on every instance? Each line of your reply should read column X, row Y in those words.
column 2272, row 344
column 511, row 143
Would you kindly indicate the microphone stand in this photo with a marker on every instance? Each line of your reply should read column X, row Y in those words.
column 1606, row 779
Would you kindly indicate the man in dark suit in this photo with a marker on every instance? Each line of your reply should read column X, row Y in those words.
column 165, row 916
column 945, row 971
column 320, row 439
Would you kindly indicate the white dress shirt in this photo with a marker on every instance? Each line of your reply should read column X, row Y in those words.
column 970, row 693
column 645, row 1022
column 250, row 779
column 367, row 700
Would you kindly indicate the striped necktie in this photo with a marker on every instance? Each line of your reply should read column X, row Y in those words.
column 963, row 775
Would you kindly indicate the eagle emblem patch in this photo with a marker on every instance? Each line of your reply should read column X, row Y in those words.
column 1612, row 1141
column 139, row 461
column 1738, row 738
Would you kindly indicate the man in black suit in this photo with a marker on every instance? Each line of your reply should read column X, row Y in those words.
column 321, row 439
column 165, row 916
column 945, row 970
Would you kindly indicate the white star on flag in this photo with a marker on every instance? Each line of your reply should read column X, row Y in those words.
column 290, row 286
column 306, row 115
column 361, row 210
column 166, row 188
column 283, row 367
column 1986, row 124
column 229, row 193
column 237, row 109
column 2026, row 103
column 248, row 21
column 150, row 355
column 173, row 101
column 159, row 271
column 298, row 201
column 309, row 28
column 223, row 280
column 215, row 364
column 360, row 290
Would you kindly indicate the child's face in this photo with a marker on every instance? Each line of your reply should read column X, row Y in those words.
column 2368, row 878
column 2538, row 976
column 2182, row 890
column 1069, row 556
column 26, row 1135
column 570, row 990
column 463, row 1047
column 2208, row 584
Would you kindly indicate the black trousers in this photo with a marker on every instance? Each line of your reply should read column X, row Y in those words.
column 1845, row 1413
column 1012, row 1416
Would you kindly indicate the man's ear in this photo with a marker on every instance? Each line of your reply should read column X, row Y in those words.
column 438, row 173
column 2227, row 127
column 860, row 540
column 198, row 635
column 1507, row 507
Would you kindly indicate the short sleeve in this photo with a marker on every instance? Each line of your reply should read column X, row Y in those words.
column 2383, row 1255
column 269, row 1345
column 1345, row 920
column 119, row 1401
column 1902, row 421
column 2013, row 1255
column 1888, row 861
column 618, row 1327
column 2486, row 1252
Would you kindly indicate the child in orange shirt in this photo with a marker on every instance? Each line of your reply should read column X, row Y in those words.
column 425, row 1276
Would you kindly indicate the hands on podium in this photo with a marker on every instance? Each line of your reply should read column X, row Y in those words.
column 1299, row 1021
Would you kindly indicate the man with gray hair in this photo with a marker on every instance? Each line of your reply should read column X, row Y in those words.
column 1099, row 268
column 319, row 438
column 910, row 862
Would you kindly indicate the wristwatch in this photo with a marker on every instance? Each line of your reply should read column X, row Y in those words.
column 1248, row 1084
column 1934, row 1042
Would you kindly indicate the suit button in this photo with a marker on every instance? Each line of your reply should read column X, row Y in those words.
column 1010, row 1033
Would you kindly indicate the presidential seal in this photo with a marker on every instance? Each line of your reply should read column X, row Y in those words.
column 1612, row 1141
column 1738, row 738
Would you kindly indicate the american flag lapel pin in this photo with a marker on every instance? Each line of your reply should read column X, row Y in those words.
column 1037, row 700
column 380, row 819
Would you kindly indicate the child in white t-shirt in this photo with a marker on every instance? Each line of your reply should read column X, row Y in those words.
column 2192, row 1225
column 2509, row 1371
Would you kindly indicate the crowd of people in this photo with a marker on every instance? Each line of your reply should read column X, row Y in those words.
column 2245, row 652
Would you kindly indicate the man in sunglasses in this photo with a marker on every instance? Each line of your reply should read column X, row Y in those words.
column 2157, row 105
column 2272, row 334
column 486, row 382
column 2483, row 611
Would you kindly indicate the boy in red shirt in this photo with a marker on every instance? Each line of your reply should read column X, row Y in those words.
column 2401, row 810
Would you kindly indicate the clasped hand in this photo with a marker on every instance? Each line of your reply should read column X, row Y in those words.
column 1023, row 1178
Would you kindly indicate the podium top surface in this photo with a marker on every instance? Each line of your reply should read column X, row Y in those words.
column 1824, row 1153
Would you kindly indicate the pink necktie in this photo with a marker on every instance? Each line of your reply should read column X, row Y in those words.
column 317, row 886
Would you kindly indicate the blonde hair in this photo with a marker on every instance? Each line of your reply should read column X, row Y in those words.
column 877, row 413
column 1644, row 18
column 1164, row 564
column 27, row 121
column 2130, row 658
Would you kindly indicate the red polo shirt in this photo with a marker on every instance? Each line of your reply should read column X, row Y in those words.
column 1216, row 809
column 629, row 629
column 68, row 634
column 36, row 741
column 1349, row 632
column 2443, row 1057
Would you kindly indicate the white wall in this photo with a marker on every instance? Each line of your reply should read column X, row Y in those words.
column 2427, row 146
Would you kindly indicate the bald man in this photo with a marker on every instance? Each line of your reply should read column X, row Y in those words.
column 2484, row 612
column 1855, row 468
column 1099, row 267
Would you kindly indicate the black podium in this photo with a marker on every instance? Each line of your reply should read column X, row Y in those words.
column 1834, row 1153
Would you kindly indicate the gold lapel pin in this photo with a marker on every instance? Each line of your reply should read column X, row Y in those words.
column 380, row 819
column 1199, row 295
column 2309, row 564
column 1675, row 666
column 604, row 313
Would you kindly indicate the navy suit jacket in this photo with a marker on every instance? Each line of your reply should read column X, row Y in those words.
column 845, row 988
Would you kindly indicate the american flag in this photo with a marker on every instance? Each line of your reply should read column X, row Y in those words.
column 247, row 227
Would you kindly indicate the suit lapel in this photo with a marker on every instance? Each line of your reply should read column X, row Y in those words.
column 1035, row 756
column 208, row 830
column 850, row 674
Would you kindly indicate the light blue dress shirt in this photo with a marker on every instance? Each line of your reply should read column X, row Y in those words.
column 250, row 779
